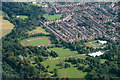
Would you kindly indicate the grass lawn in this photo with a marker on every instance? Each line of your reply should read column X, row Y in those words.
column 94, row 44
column 52, row 17
column 6, row 26
column 22, row 17
column 63, row 52
column 36, row 42
column 38, row 30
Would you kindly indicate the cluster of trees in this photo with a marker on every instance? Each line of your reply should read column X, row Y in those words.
column 96, row 69
column 64, row 65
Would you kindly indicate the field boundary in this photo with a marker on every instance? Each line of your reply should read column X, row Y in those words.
column 51, row 40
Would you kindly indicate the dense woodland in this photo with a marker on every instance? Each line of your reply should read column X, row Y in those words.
column 14, row 67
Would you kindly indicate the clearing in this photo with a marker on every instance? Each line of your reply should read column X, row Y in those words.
column 22, row 17
column 94, row 44
column 38, row 30
column 52, row 17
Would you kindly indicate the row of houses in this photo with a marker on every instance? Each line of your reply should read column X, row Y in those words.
column 93, row 21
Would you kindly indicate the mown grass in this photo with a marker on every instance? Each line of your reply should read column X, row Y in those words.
column 63, row 52
column 38, row 42
column 52, row 17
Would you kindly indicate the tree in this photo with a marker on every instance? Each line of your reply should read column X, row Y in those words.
column 66, row 65
column 47, row 66
column 81, row 67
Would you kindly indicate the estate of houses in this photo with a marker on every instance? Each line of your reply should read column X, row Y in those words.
column 83, row 21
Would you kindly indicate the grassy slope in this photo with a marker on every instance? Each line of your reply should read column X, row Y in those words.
column 52, row 17
column 65, row 72
column 6, row 26
column 71, row 73
column 38, row 30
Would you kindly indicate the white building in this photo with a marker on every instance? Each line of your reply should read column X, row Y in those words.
column 102, row 42
column 96, row 54
column 21, row 57
column 34, row 2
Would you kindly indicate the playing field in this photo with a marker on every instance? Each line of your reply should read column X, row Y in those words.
column 6, row 26
column 64, row 52
column 52, row 17
column 38, row 30
column 36, row 41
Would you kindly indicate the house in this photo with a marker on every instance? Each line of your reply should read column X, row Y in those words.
column 34, row 2
column 21, row 57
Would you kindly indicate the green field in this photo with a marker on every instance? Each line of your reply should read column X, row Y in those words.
column 52, row 17
column 64, row 52
column 22, row 17
column 94, row 44
column 36, row 42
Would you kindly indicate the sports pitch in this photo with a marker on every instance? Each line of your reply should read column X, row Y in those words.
column 36, row 41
